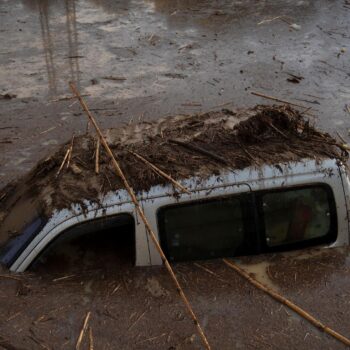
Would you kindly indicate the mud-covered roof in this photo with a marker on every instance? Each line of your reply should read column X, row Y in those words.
column 182, row 146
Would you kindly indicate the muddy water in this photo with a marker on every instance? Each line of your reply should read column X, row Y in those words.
column 163, row 47
column 260, row 271
column 139, row 308
column 142, row 59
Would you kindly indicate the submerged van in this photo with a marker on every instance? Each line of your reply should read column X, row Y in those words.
column 258, row 202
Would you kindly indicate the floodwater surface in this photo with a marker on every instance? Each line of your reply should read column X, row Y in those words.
column 141, row 59
column 139, row 308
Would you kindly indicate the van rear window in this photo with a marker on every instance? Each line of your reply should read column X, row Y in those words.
column 203, row 230
column 298, row 215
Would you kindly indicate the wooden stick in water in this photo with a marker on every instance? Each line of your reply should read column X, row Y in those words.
column 138, row 208
column 83, row 330
column 97, row 156
column 276, row 99
column 91, row 339
column 288, row 303
column 161, row 172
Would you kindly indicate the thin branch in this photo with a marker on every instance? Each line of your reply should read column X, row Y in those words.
column 83, row 330
column 63, row 162
column 11, row 277
column 278, row 130
column 161, row 172
column 277, row 99
column 70, row 152
column 137, row 320
column 211, row 272
column 200, row 150
column 341, row 137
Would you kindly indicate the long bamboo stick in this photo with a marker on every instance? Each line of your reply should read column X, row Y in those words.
column 161, row 172
column 314, row 321
column 149, row 230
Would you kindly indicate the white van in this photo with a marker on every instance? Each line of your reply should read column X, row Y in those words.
column 256, row 210
column 259, row 180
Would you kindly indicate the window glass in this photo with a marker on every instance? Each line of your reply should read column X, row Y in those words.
column 296, row 215
column 202, row 230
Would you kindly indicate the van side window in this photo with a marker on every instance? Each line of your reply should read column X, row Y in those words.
column 203, row 230
column 250, row 223
column 298, row 215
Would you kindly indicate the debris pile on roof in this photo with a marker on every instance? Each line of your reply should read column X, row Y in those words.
column 183, row 146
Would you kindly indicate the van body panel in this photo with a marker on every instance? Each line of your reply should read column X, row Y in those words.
column 266, row 177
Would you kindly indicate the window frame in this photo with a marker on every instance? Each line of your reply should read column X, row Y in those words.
column 329, row 238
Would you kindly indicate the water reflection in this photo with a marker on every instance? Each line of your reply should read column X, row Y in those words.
column 72, row 37
column 167, row 5
column 48, row 11
column 48, row 45
column 112, row 6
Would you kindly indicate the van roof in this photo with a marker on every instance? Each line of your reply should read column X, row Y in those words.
column 196, row 146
